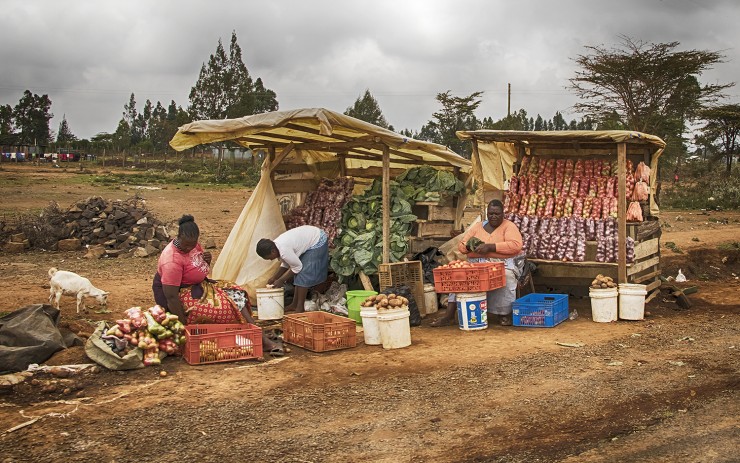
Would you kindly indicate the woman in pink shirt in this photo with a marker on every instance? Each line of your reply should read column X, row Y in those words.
column 181, row 286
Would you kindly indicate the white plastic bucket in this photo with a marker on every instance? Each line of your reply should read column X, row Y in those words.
column 603, row 304
column 370, row 327
column 270, row 303
column 395, row 331
column 632, row 301
column 472, row 311
column 431, row 303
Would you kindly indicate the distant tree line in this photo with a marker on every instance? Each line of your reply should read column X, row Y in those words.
column 647, row 87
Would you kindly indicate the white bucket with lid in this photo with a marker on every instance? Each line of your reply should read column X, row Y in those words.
column 370, row 327
column 395, row 331
column 603, row 304
column 632, row 301
column 270, row 303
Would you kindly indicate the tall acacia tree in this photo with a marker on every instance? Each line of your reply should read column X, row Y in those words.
column 366, row 108
column 722, row 130
column 457, row 113
column 649, row 87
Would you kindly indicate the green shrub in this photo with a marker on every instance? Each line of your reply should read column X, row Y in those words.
column 709, row 192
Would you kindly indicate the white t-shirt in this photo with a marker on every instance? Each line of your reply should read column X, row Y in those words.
column 293, row 243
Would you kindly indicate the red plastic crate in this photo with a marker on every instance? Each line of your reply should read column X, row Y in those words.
column 222, row 343
column 480, row 277
column 319, row 331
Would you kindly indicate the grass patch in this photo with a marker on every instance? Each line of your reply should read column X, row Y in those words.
column 673, row 247
column 732, row 246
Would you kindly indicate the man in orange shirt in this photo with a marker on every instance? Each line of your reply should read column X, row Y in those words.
column 501, row 242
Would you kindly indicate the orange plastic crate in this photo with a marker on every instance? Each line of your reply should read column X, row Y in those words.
column 222, row 343
column 319, row 331
column 479, row 277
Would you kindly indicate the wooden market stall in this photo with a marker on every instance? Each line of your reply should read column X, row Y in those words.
column 499, row 154
column 304, row 146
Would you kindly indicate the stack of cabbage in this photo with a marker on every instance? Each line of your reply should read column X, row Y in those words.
column 359, row 246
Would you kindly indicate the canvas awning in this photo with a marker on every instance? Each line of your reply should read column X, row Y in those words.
column 319, row 135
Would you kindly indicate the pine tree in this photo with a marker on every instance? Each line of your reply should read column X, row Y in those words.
column 65, row 135
column 366, row 108
column 225, row 89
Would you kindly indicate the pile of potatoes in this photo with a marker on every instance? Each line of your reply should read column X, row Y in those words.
column 602, row 282
column 386, row 302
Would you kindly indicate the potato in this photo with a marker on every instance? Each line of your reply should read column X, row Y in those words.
column 395, row 303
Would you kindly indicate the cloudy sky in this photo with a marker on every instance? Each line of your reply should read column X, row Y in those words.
column 89, row 56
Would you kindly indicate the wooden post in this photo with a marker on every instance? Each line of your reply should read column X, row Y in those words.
column 386, row 204
column 103, row 156
column 622, row 212
column 164, row 155
column 342, row 164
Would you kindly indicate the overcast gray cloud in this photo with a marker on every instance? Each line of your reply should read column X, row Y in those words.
column 90, row 56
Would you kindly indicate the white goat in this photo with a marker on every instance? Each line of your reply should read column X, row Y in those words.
column 63, row 282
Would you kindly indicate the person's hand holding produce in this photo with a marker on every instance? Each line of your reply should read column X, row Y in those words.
column 207, row 257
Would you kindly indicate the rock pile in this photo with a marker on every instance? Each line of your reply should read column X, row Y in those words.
column 112, row 228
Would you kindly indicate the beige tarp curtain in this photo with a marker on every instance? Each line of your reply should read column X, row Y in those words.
column 260, row 218
column 316, row 137
column 498, row 153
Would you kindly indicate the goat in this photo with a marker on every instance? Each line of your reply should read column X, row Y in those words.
column 63, row 282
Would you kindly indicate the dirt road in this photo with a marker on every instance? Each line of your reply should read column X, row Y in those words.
column 659, row 390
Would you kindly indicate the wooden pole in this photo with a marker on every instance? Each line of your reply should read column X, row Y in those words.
column 386, row 204
column 342, row 164
column 622, row 212
column 508, row 104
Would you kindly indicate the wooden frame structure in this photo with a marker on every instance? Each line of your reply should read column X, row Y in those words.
column 305, row 145
column 613, row 145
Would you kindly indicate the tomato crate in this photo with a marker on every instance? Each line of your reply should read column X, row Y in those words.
column 319, row 331
column 480, row 277
column 540, row 310
column 213, row 343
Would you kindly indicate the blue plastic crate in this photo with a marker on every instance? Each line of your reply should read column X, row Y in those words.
column 540, row 310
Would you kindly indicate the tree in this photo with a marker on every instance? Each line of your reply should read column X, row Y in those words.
column 649, row 87
column 722, row 130
column 225, row 89
column 366, row 108
column 130, row 117
column 65, row 135
column 32, row 118
column 539, row 124
column 458, row 113
column 7, row 134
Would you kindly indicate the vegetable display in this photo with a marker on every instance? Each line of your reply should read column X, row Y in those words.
column 152, row 330
column 564, row 188
column 323, row 207
column 603, row 282
column 359, row 245
column 386, row 302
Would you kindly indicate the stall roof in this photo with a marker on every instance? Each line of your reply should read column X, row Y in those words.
column 563, row 136
column 320, row 135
